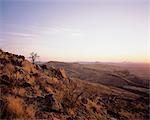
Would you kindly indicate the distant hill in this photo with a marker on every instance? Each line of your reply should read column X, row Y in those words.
column 141, row 70
column 108, row 74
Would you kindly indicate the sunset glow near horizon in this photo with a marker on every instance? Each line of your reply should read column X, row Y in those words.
column 76, row 30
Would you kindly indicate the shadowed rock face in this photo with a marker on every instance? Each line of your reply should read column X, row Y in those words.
column 29, row 91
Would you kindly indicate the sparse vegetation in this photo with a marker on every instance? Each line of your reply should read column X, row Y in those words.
column 30, row 111
column 34, row 57
column 15, row 106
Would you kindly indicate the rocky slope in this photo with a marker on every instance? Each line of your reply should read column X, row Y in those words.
column 30, row 91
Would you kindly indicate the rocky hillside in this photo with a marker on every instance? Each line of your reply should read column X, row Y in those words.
column 30, row 91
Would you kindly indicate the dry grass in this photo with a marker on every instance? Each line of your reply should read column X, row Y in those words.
column 15, row 106
column 124, row 113
column 48, row 89
column 93, row 106
column 31, row 80
column 71, row 112
column 19, row 91
column 30, row 111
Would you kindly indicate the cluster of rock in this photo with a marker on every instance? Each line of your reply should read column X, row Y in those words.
column 14, row 59
column 24, row 81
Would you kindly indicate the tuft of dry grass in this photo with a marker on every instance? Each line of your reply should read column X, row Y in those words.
column 93, row 106
column 15, row 105
column 71, row 112
column 30, row 111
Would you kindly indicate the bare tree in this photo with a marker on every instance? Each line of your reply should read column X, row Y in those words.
column 33, row 57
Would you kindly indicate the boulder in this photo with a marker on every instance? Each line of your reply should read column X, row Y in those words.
column 63, row 73
column 44, row 67
column 52, row 103
column 49, row 103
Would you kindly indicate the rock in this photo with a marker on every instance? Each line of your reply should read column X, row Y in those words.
column 48, row 89
column 84, row 101
column 113, row 114
column 22, row 58
column 1, row 52
column 58, row 73
column 49, row 116
column 25, row 84
column 38, row 67
column 14, row 60
column 52, row 103
column 44, row 67
column 4, row 89
column 63, row 73
column 28, row 67
column 49, row 103
column 10, row 68
column 3, row 109
column 4, row 79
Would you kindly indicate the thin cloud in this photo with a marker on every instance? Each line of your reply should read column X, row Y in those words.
column 35, row 30
column 17, row 34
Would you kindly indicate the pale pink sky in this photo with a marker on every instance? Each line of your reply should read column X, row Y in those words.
column 81, row 30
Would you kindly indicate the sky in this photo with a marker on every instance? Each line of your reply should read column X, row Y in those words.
column 76, row 30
